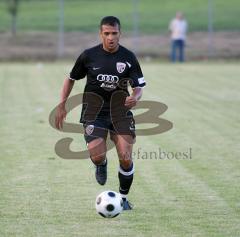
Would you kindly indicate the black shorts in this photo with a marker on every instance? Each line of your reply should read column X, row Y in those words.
column 99, row 128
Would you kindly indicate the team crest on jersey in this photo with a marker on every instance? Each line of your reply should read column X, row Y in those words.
column 89, row 129
column 121, row 67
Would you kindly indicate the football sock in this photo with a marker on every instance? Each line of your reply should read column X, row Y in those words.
column 123, row 196
column 103, row 162
column 125, row 177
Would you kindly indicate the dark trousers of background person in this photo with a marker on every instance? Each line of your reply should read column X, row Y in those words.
column 177, row 47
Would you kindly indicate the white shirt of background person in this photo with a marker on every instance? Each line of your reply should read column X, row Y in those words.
column 178, row 27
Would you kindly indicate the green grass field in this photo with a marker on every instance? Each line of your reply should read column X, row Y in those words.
column 44, row 195
column 154, row 15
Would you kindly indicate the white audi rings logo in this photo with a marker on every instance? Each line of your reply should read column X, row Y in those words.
column 107, row 78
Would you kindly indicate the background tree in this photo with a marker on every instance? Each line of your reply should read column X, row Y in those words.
column 12, row 6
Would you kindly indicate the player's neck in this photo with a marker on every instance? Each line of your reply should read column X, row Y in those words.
column 111, row 50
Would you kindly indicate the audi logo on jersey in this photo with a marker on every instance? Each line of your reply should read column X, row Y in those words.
column 109, row 82
column 107, row 78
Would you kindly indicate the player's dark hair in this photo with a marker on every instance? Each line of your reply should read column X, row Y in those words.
column 110, row 20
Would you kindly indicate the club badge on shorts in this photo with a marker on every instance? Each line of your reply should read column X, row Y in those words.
column 121, row 67
column 89, row 129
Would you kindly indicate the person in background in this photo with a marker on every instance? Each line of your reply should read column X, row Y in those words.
column 178, row 28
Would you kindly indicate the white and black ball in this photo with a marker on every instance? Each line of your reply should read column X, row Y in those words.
column 109, row 204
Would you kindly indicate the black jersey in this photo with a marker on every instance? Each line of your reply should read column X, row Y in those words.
column 106, row 73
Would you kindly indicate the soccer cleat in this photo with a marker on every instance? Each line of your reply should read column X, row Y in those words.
column 127, row 205
column 101, row 173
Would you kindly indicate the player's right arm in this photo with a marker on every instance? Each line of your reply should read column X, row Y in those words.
column 78, row 72
column 61, row 110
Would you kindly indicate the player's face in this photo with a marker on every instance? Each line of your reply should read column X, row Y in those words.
column 110, row 37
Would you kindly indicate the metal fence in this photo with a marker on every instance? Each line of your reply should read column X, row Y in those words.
column 62, row 28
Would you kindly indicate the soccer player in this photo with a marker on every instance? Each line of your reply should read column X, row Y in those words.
column 109, row 68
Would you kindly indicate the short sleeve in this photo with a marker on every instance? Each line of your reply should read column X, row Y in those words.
column 136, row 74
column 79, row 70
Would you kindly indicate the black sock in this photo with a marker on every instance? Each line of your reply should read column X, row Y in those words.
column 125, row 179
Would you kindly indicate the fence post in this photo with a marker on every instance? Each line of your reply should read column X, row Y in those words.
column 61, row 29
column 210, row 28
column 135, row 4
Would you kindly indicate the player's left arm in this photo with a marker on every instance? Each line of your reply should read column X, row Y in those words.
column 132, row 100
column 137, row 82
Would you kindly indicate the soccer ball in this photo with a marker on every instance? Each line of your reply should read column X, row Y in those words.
column 109, row 204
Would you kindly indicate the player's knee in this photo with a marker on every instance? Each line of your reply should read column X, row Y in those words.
column 126, row 165
column 125, row 161
column 98, row 159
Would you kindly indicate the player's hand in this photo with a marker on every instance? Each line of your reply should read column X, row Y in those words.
column 60, row 116
column 130, row 101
